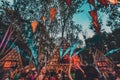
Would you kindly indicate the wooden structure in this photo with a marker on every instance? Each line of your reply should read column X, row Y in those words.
column 54, row 62
column 100, row 57
column 102, row 63
column 11, row 60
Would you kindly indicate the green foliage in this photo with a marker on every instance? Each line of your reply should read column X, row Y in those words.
column 20, row 15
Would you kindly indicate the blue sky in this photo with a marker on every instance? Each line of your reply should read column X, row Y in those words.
column 84, row 19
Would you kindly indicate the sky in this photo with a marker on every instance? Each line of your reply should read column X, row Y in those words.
column 84, row 19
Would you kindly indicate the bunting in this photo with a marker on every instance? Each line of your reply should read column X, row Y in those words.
column 96, row 26
column 68, row 2
column 103, row 2
column 113, row 1
column 53, row 13
column 34, row 25
column 92, row 2
column 93, row 14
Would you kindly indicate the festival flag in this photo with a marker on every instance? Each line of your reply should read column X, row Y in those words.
column 52, row 13
column 34, row 25
column 113, row 1
column 96, row 26
column 93, row 14
column 103, row 2
column 68, row 2
column 92, row 2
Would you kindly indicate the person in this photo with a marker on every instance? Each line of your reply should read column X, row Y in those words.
column 42, row 74
column 17, row 75
column 53, row 75
column 112, row 74
column 53, row 78
column 46, row 78
column 69, row 70
column 79, row 72
column 59, row 75
column 6, row 77
column 91, row 72
column 30, row 76
column 63, row 75
column 118, row 78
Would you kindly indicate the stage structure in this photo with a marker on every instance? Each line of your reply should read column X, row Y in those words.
column 54, row 62
column 11, row 60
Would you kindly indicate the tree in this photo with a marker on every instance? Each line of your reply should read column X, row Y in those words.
column 20, row 15
column 114, row 17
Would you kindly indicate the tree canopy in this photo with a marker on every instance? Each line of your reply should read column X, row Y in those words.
column 55, row 25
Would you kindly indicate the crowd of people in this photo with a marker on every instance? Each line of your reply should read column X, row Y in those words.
column 75, row 72
column 44, row 74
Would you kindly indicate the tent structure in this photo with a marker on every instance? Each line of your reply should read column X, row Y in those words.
column 102, row 63
column 11, row 60
column 100, row 57
column 54, row 62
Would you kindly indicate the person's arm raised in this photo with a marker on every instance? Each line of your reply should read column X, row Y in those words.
column 69, row 70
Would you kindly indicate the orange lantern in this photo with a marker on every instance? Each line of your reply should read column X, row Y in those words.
column 34, row 25
column 52, row 13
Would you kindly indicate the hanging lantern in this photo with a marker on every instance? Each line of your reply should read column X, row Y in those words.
column 34, row 25
column 96, row 25
column 53, row 13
